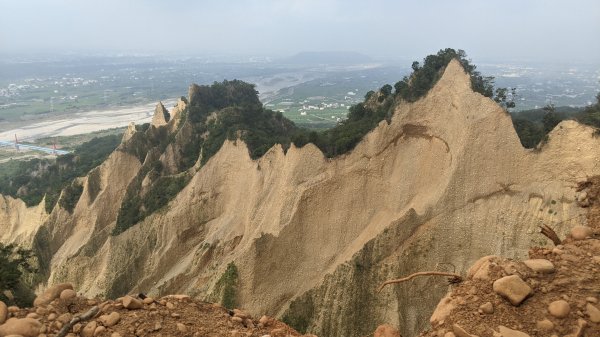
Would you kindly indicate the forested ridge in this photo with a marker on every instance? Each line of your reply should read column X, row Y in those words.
column 231, row 110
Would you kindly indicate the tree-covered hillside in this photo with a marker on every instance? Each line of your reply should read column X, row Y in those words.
column 231, row 110
column 533, row 126
column 33, row 179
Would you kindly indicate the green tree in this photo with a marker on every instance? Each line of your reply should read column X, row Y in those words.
column 384, row 92
column 505, row 98
column 550, row 119
column 15, row 263
column 591, row 114
column 530, row 134
column 424, row 77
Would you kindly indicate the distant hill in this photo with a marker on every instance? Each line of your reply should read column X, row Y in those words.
column 328, row 57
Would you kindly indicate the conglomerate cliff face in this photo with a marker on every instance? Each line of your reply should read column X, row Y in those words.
column 443, row 184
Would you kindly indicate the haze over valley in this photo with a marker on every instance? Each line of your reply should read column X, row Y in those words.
column 300, row 168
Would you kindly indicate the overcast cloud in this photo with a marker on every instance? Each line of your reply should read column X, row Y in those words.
column 542, row 30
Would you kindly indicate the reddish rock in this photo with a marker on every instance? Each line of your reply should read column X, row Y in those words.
column 386, row 330
column 132, row 303
column 3, row 312
column 51, row 294
column 26, row 327
column 581, row 232
column 67, row 294
column 110, row 319
column 513, row 288
column 559, row 309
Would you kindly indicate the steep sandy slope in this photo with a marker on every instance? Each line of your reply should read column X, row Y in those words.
column 19, row 223
column 443, row 184
column 562, row 284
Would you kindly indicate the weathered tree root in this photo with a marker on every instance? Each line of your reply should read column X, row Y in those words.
column 67, row 327
column 455, row 278
column 548, row 232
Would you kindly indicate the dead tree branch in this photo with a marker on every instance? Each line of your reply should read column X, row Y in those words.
column 455, row 277
column 550, row 234
column 67, row 327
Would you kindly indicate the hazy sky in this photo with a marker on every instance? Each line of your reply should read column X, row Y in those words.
column 544, row 30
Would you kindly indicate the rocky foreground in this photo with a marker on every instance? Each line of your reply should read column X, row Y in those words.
column 60, row 312
column 554, row 293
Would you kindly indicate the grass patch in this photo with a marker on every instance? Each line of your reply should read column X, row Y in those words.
column 227, row 285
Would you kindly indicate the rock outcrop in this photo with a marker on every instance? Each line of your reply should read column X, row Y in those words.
column 444, row 183
column 161, row 115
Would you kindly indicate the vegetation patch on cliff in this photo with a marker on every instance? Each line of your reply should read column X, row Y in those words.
column 225, row 290
column 70, row 196
column 17, row 275
column 33, row 179
column 533, row 126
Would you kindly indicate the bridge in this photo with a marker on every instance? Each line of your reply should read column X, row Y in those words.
column 33, row 147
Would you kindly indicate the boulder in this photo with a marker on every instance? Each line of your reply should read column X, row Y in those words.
column 559, row 309
column 386, row 330
column 443, row 309
column 541, row 266
column 67, row 294
column 89, row 329
column 459, row 331
column 545, row 325
column 581, row 232
column 593, row 312
column 132, row 303
column 110, row 319
column 265, row 320
column 26, row 327
column 51, row 294
column 513, row 288
column 487, row 308
column 480, row 270
column 64, row 318
column 506, row 332
column 99, row 330
column 182, row 328
column 3, row 312
column 240, row 313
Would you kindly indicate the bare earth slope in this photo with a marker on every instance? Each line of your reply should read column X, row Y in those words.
column 443, row 184
column 563, row 282
column 173, row 315
column 573, row 283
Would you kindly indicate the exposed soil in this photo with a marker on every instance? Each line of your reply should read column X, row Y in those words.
column 168, row 316
column 575, row 279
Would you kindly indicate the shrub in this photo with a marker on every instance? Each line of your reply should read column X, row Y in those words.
column 227, row 286
column 70, row 197
column 15, row 264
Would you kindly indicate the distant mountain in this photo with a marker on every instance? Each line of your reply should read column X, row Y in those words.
column 328, row 57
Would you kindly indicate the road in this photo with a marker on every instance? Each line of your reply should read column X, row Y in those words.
column 34, row 147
